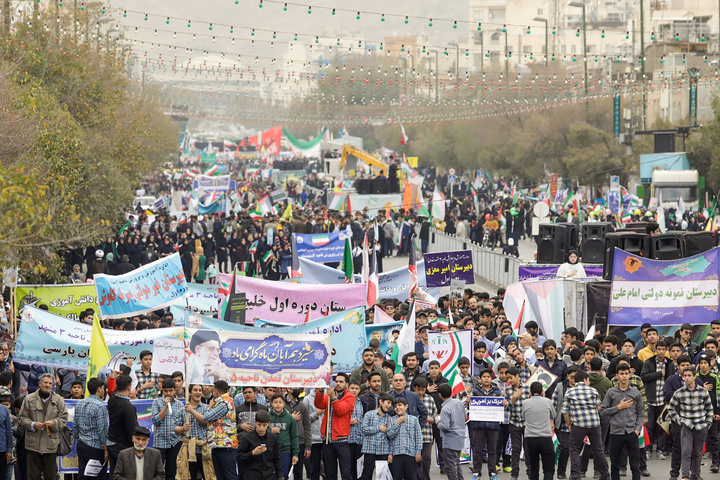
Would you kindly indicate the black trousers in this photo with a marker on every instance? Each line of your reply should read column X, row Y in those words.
column 298, row 467
column 355, row 454
column 564, row 454
column 335, row 453
column 438, row 442
column 113, row 452
column 312, row 464
column 480, row 437
column 628, row 441
column 502, row 442
column 195, row 468
column 536, row 448
column 41, row 464
column 169, row 456
column 86, row 453
column 369, row 465
column 403, row 467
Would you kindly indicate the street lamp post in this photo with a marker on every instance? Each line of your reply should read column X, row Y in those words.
column 584, row 57
column 436, row 73
column 544, row 20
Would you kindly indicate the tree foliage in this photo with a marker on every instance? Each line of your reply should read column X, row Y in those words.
column 75, row 138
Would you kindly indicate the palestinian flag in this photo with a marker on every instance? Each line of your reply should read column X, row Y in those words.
column 268, row 256
column 556, row 445
column 490, row 360
column 319, row 240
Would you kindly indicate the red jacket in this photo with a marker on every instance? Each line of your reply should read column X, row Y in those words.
column 342, row 409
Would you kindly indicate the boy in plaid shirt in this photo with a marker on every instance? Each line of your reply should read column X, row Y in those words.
column 423, row 467
column 375, row 428
column 515, row 393
column 355, row 439
column 406, row 443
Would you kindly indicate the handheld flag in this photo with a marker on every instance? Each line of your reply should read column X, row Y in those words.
column 372, row 282
column 404, row 139
column 347, row 263
column 99, row 354
column 406, row 340
column 412, row 267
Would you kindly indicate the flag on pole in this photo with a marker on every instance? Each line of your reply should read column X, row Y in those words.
column 404, row 139
column 307, row 316
column 412, row 267
column 710, row 227
column 445, row 322
column 372, row 282
column 99, row 354
column 347, row 263
column 365, row 271
column 287, row 215
column 680, row 209
column 211, row 171
column 519, row 320
column 382, row 317
column 661, row 214
column 406, row 340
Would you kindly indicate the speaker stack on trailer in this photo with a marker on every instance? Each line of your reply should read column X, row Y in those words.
column 638, row 227
column 698, row 242
column 632, row 242
column 593, row 241
column 556, row 240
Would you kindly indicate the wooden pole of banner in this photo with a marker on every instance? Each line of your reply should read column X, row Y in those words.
column 13, row 317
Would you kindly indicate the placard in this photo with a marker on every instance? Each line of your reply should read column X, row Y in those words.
column 168, row 355
column 487, row 409
column 543, row 376
column 441, row 268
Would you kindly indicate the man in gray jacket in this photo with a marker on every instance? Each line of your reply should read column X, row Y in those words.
column 451, row 423
column 43, row 415
column 624, row 405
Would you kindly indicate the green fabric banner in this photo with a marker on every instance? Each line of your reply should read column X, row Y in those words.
column 299, row 144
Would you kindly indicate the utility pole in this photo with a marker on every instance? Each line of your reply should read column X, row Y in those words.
column 584, row 57
column 547, row 52
column 642, row 63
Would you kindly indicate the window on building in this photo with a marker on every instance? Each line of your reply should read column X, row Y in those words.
column 527, row 49
column 495, row 38
column 540, row 11
column 478, row 38
column 591, row 49
column 573, row 48
column 478, row 15
column 497, row 14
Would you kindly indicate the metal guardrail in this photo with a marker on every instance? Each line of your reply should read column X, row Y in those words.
column 490, row 266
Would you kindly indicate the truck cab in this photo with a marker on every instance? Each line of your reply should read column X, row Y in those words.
column 670, row 185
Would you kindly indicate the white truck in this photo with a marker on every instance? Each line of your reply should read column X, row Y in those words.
column 670, row 185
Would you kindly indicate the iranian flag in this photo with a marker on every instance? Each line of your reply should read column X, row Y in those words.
column 211, row 171
column 268, row 256
column 404, row 139
column 373, row 279
column 255, row 214
column 626, row 218
column 253, row 248
column 644, row 438
column 412, row 268
column 447, row 348
column 443, row 323
column 319, row 240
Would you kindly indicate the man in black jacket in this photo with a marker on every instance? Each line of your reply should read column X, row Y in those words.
column 259, row 451
column 655, row 371
column 123, row 420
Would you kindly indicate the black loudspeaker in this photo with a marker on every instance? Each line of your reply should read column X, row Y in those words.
column 632, row 242
column 698, row 242
column 379, row 186
column 667, row 246
column 593, row 241
column 556, row 240
column 363, row 186
column 638, row 227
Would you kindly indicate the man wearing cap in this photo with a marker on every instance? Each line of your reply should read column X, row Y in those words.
column 525, row 345
column 139, row 462
column 204, row 366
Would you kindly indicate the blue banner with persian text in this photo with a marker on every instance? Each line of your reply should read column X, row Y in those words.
column 670, row 292
column 321, row 247
column 347, row 328
column 150, row 287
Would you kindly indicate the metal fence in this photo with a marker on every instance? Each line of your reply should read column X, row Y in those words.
column 490, row 266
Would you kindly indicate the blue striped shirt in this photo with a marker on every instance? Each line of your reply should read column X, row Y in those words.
column 376, row 442
column 165, row 436
column 91, row 422
column 406, row 440
column 356, row 435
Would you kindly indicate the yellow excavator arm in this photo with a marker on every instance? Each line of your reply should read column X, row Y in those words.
column 375, row 163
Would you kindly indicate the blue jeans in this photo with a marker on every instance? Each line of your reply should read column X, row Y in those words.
column 286, row 461
column 225, row 463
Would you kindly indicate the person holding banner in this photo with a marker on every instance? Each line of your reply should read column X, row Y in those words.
column 338, row 404
column 485, row 434
column 222, row 432
column 197, row 432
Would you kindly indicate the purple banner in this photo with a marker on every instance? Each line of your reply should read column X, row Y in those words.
column 441, row 268
column 550, row 271
column 670, row 292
